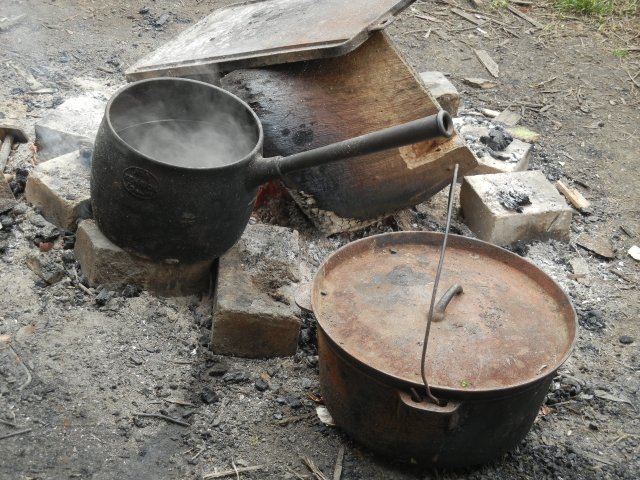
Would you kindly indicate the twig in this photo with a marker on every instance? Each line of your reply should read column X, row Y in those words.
column 198, row 454
column 84, row 289
column 28, row 380
column 315, row 470
column 296, row 474
column 14, row 434
column 9, row 424
column 179, row 402
column 633, row 80
column 163, row 417
column 287, row 420
column 236, row 471
column 218, row 419
column 337, row 470
column 105, row 70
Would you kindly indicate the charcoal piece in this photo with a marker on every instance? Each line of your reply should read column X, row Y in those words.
column 497, row 139
column 513, row 200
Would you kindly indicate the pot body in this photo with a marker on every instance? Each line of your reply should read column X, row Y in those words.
column 173, row 209
column 469, row 430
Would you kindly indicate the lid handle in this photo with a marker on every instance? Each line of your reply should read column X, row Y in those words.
column 441, row 306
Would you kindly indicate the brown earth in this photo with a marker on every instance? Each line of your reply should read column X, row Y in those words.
column 76, row 368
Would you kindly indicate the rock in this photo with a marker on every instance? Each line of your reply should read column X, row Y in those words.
column 599, row 245
column 45, row 266
column 103, row 262
column 60, row 189
column 208, row 396
column 546, row 217
column 261, row 385
column 442, row 90
column 70, row 125
column 480, row 83
column 255, row 314
column 103, row 297
column 626, row 339
column 7, row 200
column 634, row 252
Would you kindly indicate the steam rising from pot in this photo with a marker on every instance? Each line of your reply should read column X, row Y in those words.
column 186, row 128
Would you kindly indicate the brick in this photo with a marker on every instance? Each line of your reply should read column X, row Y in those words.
column 70, row 125
column 255, row 314
column 104, row 263
column 442, row 90
column 60, row 188
column 547, row 217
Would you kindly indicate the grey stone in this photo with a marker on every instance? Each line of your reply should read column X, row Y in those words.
column 255, row 314
column 46, row 267
column 7, row 200
column 442, row 90
column 60, row 188
column 70, row 125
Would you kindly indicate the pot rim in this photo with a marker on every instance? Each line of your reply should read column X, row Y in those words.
column 256, row 152
column 446, row 390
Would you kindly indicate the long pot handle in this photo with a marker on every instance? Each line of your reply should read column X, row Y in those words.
column 437, row 125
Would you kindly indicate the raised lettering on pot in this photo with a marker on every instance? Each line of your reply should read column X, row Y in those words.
column 140, row 183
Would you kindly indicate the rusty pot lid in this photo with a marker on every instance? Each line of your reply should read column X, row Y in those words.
column 511, row 326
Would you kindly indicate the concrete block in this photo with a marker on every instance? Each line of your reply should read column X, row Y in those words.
column 104, row 263
column 255, row 314
column 60, row 188
column 489, row 211
column 442, row 90
column 514, row 158
column 70, row 125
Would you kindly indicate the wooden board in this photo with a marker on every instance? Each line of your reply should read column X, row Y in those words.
column 268, row 32
column 311, row 104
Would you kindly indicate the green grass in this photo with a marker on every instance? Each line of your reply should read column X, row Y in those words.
column 498, row 4
column 598, row 7
column 621, row 52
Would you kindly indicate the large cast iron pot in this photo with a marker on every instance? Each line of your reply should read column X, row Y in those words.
column 177, row 164
column 490, row 359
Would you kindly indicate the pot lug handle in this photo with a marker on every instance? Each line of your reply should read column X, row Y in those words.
column 442, row 304
column 449, row 411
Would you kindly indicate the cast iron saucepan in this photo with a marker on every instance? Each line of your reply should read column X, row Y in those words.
column 177, row 164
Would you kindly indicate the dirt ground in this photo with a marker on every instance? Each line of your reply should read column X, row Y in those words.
column 76, row 367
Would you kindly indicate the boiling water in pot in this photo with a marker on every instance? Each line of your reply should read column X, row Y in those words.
column 189, row 143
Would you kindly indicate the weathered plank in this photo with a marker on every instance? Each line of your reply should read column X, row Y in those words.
column 311, row 104
column 259, row 33
column 574, row 196
column 488, row 62
column 525, row 17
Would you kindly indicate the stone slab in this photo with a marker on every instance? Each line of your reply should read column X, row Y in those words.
column 70, row 125
column 60, row 188
column 255, row 314
column 104, row 263
column 547, row 216
column 442, row 90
